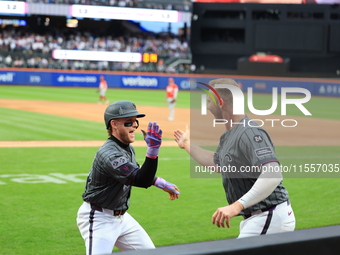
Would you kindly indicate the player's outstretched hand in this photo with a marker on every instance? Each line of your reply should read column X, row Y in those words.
column 172, row 189
column 182, row 138
column 153, row 139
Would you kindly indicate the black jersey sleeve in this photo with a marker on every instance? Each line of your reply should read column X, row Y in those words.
column 129, row 173
column 144, row 177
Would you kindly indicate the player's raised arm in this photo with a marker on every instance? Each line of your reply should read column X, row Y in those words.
column 202, row 156
column 145, row 176
column 153, row 139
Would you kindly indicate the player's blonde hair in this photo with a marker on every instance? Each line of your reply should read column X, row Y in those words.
column 224, row 93
column 109, row 130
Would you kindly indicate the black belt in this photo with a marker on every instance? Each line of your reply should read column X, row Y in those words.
column 114, row 212
column 259, row 211
column 263, row 210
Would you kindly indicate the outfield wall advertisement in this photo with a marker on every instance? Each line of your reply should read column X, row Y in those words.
column 321, row 87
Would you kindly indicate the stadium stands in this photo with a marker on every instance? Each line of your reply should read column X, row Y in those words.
column 23, row 47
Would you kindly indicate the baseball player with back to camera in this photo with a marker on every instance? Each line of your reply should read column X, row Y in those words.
column 258, row 196
column 102, row 219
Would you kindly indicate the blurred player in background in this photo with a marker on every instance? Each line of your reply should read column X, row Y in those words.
column 171, row 98
column 102, row 90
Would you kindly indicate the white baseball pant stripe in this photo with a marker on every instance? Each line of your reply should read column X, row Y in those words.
column 279, row 220
column 102, row 231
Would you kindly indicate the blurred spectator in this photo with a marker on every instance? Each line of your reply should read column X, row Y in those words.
column 160, row 66
column 103, row 65
column 19, row 62
column 51, row 64
column 32, row 63
column 192, row 68
column 8, row 61
column 37, row 44
column 43, row 63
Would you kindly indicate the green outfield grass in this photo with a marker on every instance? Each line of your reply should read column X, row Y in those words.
column 41, row 187
column 17, row 125
column 89, row 95
column 39, row 218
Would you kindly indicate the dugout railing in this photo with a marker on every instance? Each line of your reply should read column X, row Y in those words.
column 323, row 241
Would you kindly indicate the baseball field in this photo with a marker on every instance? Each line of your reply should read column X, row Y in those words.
column 48, row 138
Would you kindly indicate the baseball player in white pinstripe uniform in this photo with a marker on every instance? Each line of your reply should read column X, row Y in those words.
column 103, row 220
column 258, row 196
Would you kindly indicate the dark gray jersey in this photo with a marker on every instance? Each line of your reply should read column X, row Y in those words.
column 246, row 145
column 112, row 171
